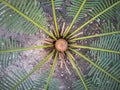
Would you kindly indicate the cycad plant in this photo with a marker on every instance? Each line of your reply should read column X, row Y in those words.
column 27, row 16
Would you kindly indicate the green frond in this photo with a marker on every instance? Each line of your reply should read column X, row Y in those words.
column 118, row 18
column 33, row 70
column 95, row 48
column 97, row 80
column 102, row 5
column 54, row 84
column 40, row 83
column 51, row 71
column 96, row 16
column 15, row 22
column 77, row 85
column 59, row 7
column 7, row 59
column 109, row 26
column 55, row 18
column 58, row 3
column 96, row 35
column 100, row 79
column 107, row 61
column 75, row 17
column 9, row 81
column 23, row 49
column 96, row 66
column 75, row 4
column 108, row 42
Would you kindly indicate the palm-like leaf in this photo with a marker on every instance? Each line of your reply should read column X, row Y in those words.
column 98, row 14
column 100, row 79
column 78, row 85
column 21, row 78
column 41, row 82
column 9, row 81
column 14, row 22
column 75, row 4
column 7, row 59
column 108, row 42
column 103, row 4
column 96, row 79
column 92, row 8
column 58, row 3
column 109, row 27
column 108, row 61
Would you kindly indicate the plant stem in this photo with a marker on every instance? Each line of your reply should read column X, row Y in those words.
column 55, row 19
column 23, row 49
column 51, row 71
column 93, row 48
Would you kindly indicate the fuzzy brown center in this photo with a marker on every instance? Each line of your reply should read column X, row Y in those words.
column 61, row 45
